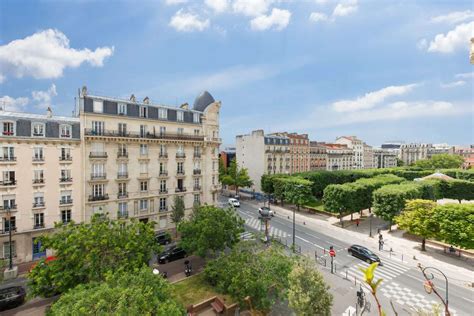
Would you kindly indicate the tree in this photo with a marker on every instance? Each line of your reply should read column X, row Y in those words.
column 177, row 211
column 210, row 230
column 440, row 161
column 222, row 169
column 249, row 271
column 400, row 162
column 416, row 218
column 308, row 294
column 456, row 224
column 237, row 177
column 459, row 190
column 297, row 191
column 137, row 292
column 86, row 252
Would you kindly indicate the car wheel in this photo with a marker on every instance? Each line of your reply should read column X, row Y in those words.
column 369, row 261
column 349, row 251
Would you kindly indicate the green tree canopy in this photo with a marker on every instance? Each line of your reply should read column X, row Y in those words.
column 177, row 211
column 222, row 169
column 137, row 292
column 456, row 224
column 239, row 178
column 249, row 271
column 210, row 230
column 297, row 191
column 440, row 161
column 308, row 294
column 416, row 218
column 86, row 252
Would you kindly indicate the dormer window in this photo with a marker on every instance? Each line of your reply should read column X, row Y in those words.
column 143, row 111
column 98, row 106
column 196, row 117
column 65, row 131
column 122, row 109
column 163, row 114
column 38, row 129
column 8, row 128
column 180, row 116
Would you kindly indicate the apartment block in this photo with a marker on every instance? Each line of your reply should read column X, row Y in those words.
column 339, row 157
column 318, row 156
column 368, row 157
column 384, row 158
column 41, row 179
column 357, row 146
column 138, row 156
column 410, row 153
column 263, row 154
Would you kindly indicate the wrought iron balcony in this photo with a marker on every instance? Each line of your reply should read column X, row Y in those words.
column 101, row 197
column 180, row 155
column 163, row 155
column 8, row 207
column 65, row 179
column 6, row 158
column 38, row 181
column 122, row 175
column 163, row 191
column 182, row 189
column 38, row 226
column 64, row 201
column 180, row 173
column 163, row 172
column 197, row 155
column 8, row 182
column 197, row 188
column 98, row 176
column 116, row 133
column 38, row 159
column 7, row 230
column 122, row 214
column 122, row 195
column 65, row 158
column 122, row 154
column 98, row 155
column 197, row 171
column 39, row 204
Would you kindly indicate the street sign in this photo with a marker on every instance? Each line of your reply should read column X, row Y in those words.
column 332, row 253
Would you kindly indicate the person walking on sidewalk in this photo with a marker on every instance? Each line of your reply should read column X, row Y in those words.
column 357, row 222
column 380, row 242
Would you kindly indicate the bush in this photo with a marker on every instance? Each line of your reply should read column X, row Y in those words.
column 456, row 224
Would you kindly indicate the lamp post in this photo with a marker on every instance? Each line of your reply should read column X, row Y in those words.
column 430, row 287
column 9, row 218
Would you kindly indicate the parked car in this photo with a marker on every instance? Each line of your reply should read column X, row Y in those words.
column 234, row 202
column 12, row 297
column 172, row 254
column 363, row 253
column 163, row 238
column 266, row 209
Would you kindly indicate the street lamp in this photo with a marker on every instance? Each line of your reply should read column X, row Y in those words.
column 430, row 287
column 9, row 217
column 299, row 186
column 370, row 222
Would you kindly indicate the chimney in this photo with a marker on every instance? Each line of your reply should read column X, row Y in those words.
column 84, row 90
column 184, row 106
column 49, row 112
column 146, row 100
column 132, row 98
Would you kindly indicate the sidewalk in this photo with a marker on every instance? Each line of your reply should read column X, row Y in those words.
column 457, row 269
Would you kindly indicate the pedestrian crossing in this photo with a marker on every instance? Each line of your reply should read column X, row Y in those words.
column 247, row 236
column 388, row 271
column 272, row 231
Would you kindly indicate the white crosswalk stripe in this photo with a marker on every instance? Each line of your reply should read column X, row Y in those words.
column 255, row 224
column 388, row 271
column 247, row 236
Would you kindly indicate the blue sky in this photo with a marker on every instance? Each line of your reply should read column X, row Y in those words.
column 381, row 70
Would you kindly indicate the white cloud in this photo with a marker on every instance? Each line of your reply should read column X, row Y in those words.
column 251, row 7
column 453, row 17
column 321, row 2
column 43, row 98
column 317, row 17
column 8, row 103
column 466, row 75
column 218, row 6
column 278, row 20
column 453, row 84
column 188, row 22
column 46, row 54
column 371, row 99
column 2, row 78
column 457, row 38
column 345, row 8
column 174, row 2
column 422, row 44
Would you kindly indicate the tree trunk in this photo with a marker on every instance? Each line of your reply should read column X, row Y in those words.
column 390, row 226
column 340, row 218
column 351, row 217
column 236, row 190
column 423, row 243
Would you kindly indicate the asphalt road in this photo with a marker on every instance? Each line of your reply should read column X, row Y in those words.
column 402, row 283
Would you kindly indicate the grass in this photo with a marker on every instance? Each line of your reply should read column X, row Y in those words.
column 195, row 289
column 316, row 205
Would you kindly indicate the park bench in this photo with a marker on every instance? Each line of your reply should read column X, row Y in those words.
column 218, row 305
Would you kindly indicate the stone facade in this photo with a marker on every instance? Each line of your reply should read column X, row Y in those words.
column 410, row 153
column 384, row 158
column 318, row 156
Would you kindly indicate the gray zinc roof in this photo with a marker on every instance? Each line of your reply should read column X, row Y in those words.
column 202, row 101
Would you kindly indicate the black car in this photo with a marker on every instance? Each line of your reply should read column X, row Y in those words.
column 163, row 238
column 172, row 254
column 11, row 297
column 363, row 253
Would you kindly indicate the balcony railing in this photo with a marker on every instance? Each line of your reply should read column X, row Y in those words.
column 6, row 158
column 65, row 158
column 36, row 159
column 180, row 173
column 38, row 226
column 163, row 172
column 163, row 191
column 163, row 155
column 98, row 155
column 122, row 195
column 65, row 179
column 65, row 201
column 101, row 197
column 122, row 214
column 98, row 176
column 7, row 230
column 39, row 204
column 122, row 154
column 122, row 175
column 180, row 155
column 197, row 155
column 38, row 181
column 197, row 171
column 163, row 209
column 8, row 207
column 115, row 133
column 8, row 133
column 8, row 183
column 197, row 188
column 182, row 189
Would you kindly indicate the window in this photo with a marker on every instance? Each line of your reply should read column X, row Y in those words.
column 122, row 109
column 98, row 127
column 180, row 116
column 66, row 216
column 143, row 186
column 197, row 151
column 197, row 199
column 162, row 131
column 180, row 149
column 98, row 106
column 9, row 223
column 123, row 210
column 180, row 131
column 98, row 190
column 163, row 114
column 9, row 178
column 162, row 150
column 66, row 197
column 162, row 168
column 163, row 207
column 98, row 149
column 197, row 184
column 196, row 132
column 143, row 205
column 6, row 250
column 65, row 131
column 38, row 129
column 143, row 149
column 38, row 154
column 39, row 220
column 65, row 154
column 8, row 128
column 98, row 170
column 122, row 150
column 8, row 153
column 163, row 186
column 142, row 130
column 9, row 202
column 122, row 189
column 143, row 111
column 144, row 167
column 38, row 199
column 38, row 176
column 196, row 117
column 122, row 170
column 122, row 129
column 180, row 168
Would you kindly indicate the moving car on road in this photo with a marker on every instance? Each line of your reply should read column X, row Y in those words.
column 171, row 254
column 266, row 209
column 363, row 253
column 234, row 202
column 163, row 238
column 11, row 297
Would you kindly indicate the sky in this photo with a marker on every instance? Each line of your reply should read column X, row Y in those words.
column 381, row 70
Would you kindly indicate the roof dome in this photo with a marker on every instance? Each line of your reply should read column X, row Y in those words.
column 202, row 101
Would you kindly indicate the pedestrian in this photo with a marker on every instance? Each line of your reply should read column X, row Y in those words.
column 357, row 222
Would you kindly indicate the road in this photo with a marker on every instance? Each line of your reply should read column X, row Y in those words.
column 402, row 283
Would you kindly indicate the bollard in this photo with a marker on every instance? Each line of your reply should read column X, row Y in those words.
column 355, row 281
column 346, row 275
column 402, row 257
column 414, row 258
column 324, row 251
column 288, row 217
column 304, row 223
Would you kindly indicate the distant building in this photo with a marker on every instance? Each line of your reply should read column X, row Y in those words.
column 466, row 152
column 384, row 158
column 368, row 157
column 411, row 153
column 393, row 146
column 339, row 157
column 263, row 154
column 437, row 149
column 227, row 155
column 318, row 156
column 299, row 151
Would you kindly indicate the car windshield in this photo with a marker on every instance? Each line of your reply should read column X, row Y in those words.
column 265, row 208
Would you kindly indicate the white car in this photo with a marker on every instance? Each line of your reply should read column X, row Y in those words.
column 270, row 212
column 234, row 202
